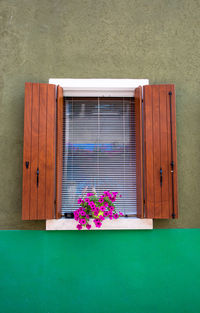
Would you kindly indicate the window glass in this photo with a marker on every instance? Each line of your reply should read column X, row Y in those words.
column 99, row 150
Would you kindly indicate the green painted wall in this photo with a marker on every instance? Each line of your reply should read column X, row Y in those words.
column 100, row 272
column 151, row 39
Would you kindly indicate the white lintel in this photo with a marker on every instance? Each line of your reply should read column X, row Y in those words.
column 91, row 87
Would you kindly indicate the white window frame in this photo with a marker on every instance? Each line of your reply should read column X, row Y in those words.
column 73, row 87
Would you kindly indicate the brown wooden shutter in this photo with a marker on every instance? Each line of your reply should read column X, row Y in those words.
column 59, row 151
column 39, row 157
column 160, row 154
column 139, row 153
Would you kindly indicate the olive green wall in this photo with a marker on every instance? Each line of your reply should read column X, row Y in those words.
column 151, row 39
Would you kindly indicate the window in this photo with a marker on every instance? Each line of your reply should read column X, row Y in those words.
column 155, row 163
column 99, row 150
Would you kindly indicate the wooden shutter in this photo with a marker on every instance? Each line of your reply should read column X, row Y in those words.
column 139, row 151
column 38, row 198
column 160, row 154
column 59, row 151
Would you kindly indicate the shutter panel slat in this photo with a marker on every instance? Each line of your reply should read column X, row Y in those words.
column 34, row 153
column 59, row 152
column 139, row 149
column 42, row 151
column 51, row 153
column 27, row 152
column 174, row 145
column 164, row 146
column 39, row 151
column 161, row 199
column 169, row 148
column 148, row 147
column 156, row 150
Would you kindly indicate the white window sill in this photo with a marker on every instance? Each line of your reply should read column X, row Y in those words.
column 120, row 224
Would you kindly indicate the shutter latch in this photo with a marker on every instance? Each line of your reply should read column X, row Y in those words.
column 161, row 176
column 172, row 166
column 37, row 177
column 27, row 164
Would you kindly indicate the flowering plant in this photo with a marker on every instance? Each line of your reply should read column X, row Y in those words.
column 96, row 207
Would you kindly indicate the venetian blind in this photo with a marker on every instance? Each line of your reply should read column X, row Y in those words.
column 99, row 150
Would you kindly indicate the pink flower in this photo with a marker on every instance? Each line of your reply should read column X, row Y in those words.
column 88, row 226
column 121, row 214
column 82, row 221
column 115, row 216
column 90, row 194
column 106, row 204
column 87, row 216
column 87, row 199
column 80, row 200
column 102, row 218
column 98, row 224
column 114, row 193
column 102, row 208
column 110, row 215
column 107, row 193
column 79, row 226
column 101, row 200
column 105, row 213
column 83, row 213
column 91, row 204
column 76, row 215
column 96, row 211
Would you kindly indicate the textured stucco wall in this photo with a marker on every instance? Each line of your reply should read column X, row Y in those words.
column 151, row 39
